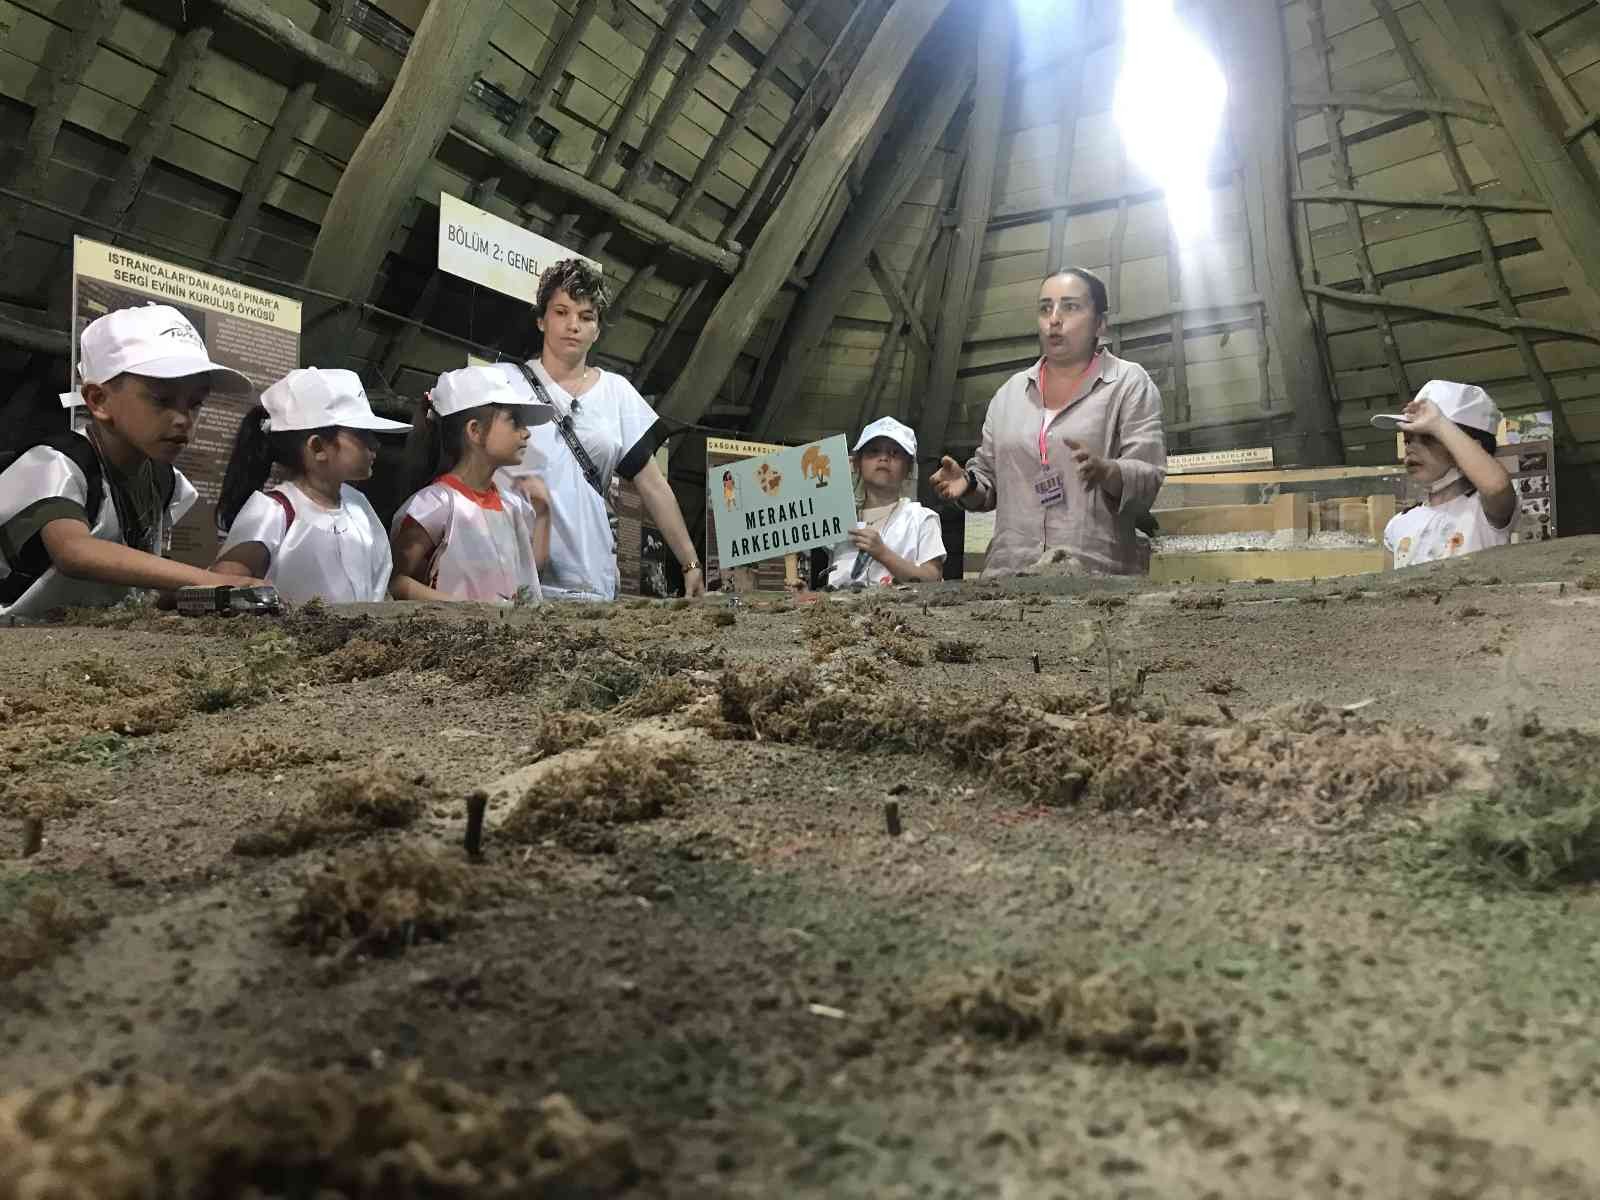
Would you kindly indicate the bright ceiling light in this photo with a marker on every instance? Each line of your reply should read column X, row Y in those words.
column 1168, row 106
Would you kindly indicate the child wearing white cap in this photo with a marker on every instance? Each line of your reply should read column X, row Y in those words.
column 313, row 536
column 897, row 539
column 1449, row 433
column 463, row 536
column 85, row 518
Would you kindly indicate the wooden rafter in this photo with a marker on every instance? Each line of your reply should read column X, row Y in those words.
column 927, row 98
column 654, row 60
column 837, row 68
column 1447, row 202
column 543, row 86
column 1384, row 102
column 737, row 117
column 51, row 94
column 931, row 261
column 150, row 131
column 786, row 232
column 383, row 174
column 480, row 128
column 663, row 336
column 1465, row 316
column 291, row 119
column 994, row 45
column 1480, row 225
column 897, row 294
column 1258, row 101
column 1067, row 139
column 1355, row 231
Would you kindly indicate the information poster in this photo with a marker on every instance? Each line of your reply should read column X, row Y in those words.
column 491, row 251
column 781, row 503
column 772, row 575
column 254, row 332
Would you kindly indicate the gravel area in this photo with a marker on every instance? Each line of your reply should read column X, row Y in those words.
column 1194, row 543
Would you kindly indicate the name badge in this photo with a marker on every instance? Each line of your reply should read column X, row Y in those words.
column 1048, row 488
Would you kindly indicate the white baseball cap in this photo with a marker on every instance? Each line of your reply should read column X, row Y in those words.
column 1464, row 403
column 498, row 383
column 314, row 398
column 897, row 432
column 155, row 340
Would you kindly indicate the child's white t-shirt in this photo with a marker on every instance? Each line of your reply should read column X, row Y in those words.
column 339, row 555
column 483, row 541
column 911, row 530
column 1427, row 533
column 44, row 484
column 620, row 431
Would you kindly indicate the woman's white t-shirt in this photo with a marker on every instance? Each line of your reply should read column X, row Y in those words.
column 340, row 555
column 911, row 530
column 483, row 541
column 619, row 430
column 42, row 474
column 1430, row 532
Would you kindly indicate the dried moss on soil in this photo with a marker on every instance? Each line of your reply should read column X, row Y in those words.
column 1107, row 1014
column 1302, row 761
column 45, row 927
column 622, row 782
column 1539, row 824
column 328, row 1134
column 360, row 801
column 381, row 901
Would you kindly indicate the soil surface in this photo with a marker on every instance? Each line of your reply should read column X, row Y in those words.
column 1163, row 918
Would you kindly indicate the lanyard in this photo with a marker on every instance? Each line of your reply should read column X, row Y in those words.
column 1044, row 423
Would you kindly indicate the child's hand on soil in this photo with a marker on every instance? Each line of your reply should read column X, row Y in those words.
column 1421, row 416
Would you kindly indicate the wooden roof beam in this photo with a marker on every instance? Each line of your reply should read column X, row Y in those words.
column 1391, row 200
column 51, row 94
column 291, row 119
column 786, row 232
column 1464, row 316
column 479, row 127
column 837, row 68
column 544, row 85
column 1386, row 102
column 943, row 77
column 383, row 174
column 739, row 115
column 1262, row 124
column 974, row 206
column 666, row 37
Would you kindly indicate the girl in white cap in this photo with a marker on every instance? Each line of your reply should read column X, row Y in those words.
column 312, row 536
column 462, row 536
column 1450, row 439
column 85, row 518
column 897, row 539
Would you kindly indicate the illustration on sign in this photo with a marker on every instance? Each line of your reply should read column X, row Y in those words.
column 783, row 502
column 490, row 250
column 252, row 331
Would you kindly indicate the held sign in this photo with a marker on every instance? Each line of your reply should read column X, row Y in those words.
column 791, row 500
column 490, row 250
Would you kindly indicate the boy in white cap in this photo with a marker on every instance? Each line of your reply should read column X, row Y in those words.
column 85, row 518
column 313, row 536
column 463, row 536
column 897, row 539
column 1449, row 446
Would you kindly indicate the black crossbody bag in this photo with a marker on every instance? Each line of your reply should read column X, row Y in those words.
column 569, row 435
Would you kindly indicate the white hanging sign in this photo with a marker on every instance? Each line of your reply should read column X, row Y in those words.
column 490, row 250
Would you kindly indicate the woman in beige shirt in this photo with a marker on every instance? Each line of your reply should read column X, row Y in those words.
column 1073, row 452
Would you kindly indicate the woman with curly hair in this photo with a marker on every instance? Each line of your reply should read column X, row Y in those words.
column 603, row 430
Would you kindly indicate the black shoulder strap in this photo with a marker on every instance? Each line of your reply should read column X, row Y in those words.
column 568, row 434
column 32, row 558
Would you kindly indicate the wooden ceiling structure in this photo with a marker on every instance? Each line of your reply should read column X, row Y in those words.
column 816, row 211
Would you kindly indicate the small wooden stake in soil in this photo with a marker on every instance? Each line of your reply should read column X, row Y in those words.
column 1036, row 662
column 32, row 836
column 891, row 817
column 477, row 802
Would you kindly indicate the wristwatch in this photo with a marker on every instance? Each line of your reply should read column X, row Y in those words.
column 972, row 480
column 691, row 566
